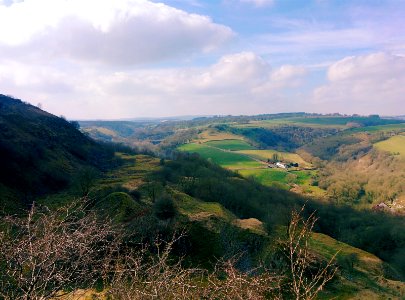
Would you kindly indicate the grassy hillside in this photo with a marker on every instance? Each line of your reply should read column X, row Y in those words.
column 40, row 152
column 394, row 145
column 231, row 230
column 225, row 159
column 232, row 145
column 340, row 120
column 237, row 154
column 222, row 213
column 389, row 127
column 210, row 204
column 212, row 134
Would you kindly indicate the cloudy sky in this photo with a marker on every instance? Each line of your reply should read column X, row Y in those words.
column 110, row 59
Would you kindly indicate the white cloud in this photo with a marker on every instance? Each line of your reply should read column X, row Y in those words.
column 258, row 3
column 241, row 83
column 233, row 73
column 118, row 32
column 306, row 40
column 287, row 72
column 373, row 83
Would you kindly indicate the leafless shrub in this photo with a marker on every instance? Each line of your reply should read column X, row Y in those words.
column 227, row 282
column 49, row 252
column 306, row 276
column 140, row 275
column 143, row 277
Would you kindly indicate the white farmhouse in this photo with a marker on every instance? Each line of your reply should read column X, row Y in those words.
column 281, row 165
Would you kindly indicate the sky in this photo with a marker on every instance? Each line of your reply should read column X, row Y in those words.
column 113, row 59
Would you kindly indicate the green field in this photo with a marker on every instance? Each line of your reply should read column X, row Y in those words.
column 283, row 179
column 248, row 167
column 232, row 145
column 289, row 121
column 328, row 120
column 395, row 145
column 339, row 122
column 225, row 159
column 269, row 177
column 389, row 127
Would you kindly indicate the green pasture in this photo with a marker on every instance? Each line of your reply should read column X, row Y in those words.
column 248, row 167
column 294, row 121
column 395, row 145
column 232, row 145
column 390, row 127
column 326, row 122
column 284, row 179
column 268, row 177
column 225, row 159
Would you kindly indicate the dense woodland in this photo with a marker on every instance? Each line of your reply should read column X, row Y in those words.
column 285, row 138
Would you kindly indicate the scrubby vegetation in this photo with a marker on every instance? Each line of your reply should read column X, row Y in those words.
column 174, row 225
column 52, row 254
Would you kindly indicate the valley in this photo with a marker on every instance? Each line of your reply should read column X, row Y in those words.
column 202, row 150
column 209, row 191
column 269, row 167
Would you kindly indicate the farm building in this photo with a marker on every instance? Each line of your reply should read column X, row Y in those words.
column 281, row 165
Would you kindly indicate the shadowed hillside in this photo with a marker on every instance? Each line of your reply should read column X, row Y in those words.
column 39, row 152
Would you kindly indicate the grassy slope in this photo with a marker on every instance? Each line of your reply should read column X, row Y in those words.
column 132, row 174
column 208, row 220
column 215, row 135
column 281, row 178
column 365, row 280
column 268, row 177
column 394, row 145
column 232, row 145
column 389, row 127
column 40, row 152
column 249, row 168
column 225, row 159
column 286, row 122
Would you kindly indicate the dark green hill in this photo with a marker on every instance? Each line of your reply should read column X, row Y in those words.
column 40, row 152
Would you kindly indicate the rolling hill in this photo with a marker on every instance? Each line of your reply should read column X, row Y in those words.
column 222, row 212
column 39, row 152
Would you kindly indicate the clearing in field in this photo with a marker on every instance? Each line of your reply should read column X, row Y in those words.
column 282, row 156
column 226, row 159
column 232, row 145
column 394, row 145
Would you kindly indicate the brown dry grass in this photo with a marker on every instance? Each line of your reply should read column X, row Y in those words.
column 251, row 224
column 215, row 135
